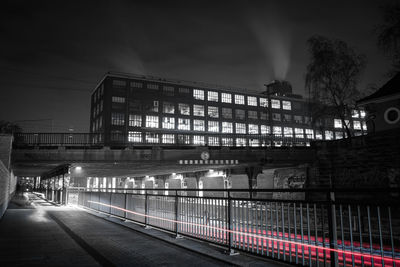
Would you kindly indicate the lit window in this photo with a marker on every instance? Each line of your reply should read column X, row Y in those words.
column 135, row 120
column 288, row 131
column 364, row 125
column 198, row 110
column 239, row 99
column 318, row 135
column 168, row 108
column 117, row 118
column 253, row 129
column 213, row 112
column 168, row 139
column 227, row 127
column 168, row 123
column 152, row 86
column 298, row 119
column 276, row 116
column 355, row 114
column 254, row 142
column 338, row 135
column 227, row 113
column 168, row 90
column 198, row 94
column 310, row 133
column 184, row 124
column 198, row 125
column 240, row 114
column 299, row 132
column 252, row 114
column 240, row 128
column 152, row 121
column 227, row 141
column 136, row 85
column 184, row 109
column 362, row 114
column 199, row 140
column 118, row 99
column 357, row 125
column 240, row 141
column 252, row 101
column 275, row 103
column 263, row 102
column 152, row 138
column 213, row 141
column 287, row 117
column 213, row 126
column 337, row 123
column 347, row 123
column 277, row 130
column 135, row 137
column 226, row 98
column 287, row 105
column 328, row 135
column 265, row 129
column 212, row 96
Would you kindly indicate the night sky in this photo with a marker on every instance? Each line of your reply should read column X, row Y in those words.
column 53, row 53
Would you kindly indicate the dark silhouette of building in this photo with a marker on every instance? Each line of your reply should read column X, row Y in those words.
column 383, row 106
column 138, row 110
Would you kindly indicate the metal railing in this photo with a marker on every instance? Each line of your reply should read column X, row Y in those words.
column 55, row 195
column 157, row 138
column 317, row 231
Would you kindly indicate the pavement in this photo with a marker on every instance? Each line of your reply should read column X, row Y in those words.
column 35, row 232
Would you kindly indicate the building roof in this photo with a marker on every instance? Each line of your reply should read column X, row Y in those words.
column 200, row 85
column 389, row 90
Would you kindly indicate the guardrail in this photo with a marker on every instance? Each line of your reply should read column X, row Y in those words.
column 157, row 138
column 278, row 224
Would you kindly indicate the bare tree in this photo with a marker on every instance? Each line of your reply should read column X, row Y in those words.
column 389, row 34
column 7, row 127
column 332, row 77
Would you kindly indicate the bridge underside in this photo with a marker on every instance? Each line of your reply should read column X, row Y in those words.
column 138, row 162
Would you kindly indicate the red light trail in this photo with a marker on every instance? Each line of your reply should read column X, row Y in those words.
column 265, row 238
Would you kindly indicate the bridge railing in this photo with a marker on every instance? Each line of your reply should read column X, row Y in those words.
column 158, row 138
column 299, row 226
column 57, row 139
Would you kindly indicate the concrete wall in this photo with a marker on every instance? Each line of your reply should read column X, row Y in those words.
column 213, row 183
column 239, row 181
column 265, row 180
column 366, row 161
column 7, row 180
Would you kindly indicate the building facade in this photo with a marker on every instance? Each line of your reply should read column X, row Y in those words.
column 138, row 110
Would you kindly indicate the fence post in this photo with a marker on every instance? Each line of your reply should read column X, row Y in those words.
column 176, row 215
column 230, row 228
column 145, row 209
column 332, row 228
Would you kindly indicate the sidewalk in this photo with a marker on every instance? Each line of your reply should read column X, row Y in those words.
column 45, row 234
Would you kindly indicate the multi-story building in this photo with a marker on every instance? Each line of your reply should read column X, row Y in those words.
column 138, row 110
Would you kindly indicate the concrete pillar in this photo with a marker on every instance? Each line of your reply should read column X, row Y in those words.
column 191, row 183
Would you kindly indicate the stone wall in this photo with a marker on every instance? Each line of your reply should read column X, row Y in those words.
column 365, row 161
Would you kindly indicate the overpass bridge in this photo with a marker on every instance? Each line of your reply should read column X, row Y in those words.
column 34, row 154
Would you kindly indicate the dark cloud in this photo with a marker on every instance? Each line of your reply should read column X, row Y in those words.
column 243, row 44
